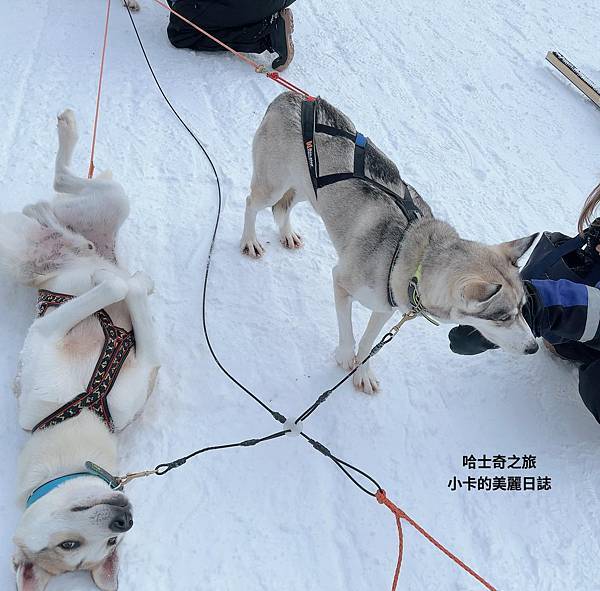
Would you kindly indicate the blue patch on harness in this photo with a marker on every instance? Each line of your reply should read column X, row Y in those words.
column 561, row 293
column 361, row 140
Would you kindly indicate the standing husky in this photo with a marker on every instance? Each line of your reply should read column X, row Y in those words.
column 77, row 351
column 379, row 251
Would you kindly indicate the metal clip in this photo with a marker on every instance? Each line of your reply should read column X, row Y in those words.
column 412, row 313
column 112, row 481
column 123, row 480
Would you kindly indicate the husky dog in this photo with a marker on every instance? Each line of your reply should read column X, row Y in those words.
column 67, row 247
column 378, row 250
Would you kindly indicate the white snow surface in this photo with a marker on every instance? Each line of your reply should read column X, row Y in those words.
column 497, row 142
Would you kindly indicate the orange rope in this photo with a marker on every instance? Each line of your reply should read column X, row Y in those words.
column 399, row 514
column 100, row 77
column 400, row 553
column 257, row 67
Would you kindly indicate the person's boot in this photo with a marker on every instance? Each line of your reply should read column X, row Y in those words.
column 281, row 41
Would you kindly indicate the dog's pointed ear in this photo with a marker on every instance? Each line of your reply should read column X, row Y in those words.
column 31, row 577
column 515, row 249
column 479, row 291
column 106, row 574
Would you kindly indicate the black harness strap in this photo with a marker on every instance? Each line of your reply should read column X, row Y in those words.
column 308, row 138
column 117, row 344
column 309, row 128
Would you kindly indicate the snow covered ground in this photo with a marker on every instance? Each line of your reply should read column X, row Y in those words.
column 497, row 142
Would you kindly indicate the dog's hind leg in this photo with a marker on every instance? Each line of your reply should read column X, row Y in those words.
column 261, row 196
column 64, row 180
column 281, row 212
column 109, row 290
column 364, row 379
column 249, row 242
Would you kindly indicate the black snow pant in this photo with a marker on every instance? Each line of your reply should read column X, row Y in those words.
column 588, row 360
column 589, row 386
column 245, row 25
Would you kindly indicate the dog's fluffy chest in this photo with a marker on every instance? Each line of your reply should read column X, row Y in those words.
column 52, row 373
column 371, row 298
column 84, row 340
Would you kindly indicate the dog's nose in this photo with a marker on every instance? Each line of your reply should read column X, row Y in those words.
column 532, row 349
column 122, row 522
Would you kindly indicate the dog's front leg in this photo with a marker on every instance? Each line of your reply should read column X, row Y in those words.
column 59, row 322
column 140, row 285
column 344, row 354
column 138, row 381
column 364, row 379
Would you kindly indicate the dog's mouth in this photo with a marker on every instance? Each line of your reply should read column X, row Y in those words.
column 119, row 501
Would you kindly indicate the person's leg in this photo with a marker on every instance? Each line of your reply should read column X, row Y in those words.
column 251, row 27
column 229, row 14
column 250, row 38
column 589, row 387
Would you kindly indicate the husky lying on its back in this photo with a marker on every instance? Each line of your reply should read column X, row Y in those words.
column 378, row 250
column 80, row 376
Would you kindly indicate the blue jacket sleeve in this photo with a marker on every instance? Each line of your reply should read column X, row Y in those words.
column 563, row 311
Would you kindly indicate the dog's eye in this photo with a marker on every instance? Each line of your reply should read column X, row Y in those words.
column 69, row 545
column 111, row 542
column 500, row 318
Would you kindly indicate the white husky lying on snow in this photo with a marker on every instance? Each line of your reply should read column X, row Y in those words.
column 81, row 375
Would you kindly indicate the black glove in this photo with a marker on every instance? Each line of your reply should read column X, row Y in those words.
column 466, row 340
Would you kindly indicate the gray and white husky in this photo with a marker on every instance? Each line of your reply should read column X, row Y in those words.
column 67, row 246
column 461, row 281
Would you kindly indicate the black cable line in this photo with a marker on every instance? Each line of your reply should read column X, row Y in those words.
column 164, row 468
column 277, row 416
column 342, row 465
column 387, row 337
column 345, row 467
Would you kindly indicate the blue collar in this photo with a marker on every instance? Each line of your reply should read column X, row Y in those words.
column 49, row 486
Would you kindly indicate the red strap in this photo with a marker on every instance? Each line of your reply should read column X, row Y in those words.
column 399, row 514
column 100, row 78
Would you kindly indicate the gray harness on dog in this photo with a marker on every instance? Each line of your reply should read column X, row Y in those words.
column 406, row 204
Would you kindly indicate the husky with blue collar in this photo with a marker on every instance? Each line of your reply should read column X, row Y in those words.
column 392, row 253
column 83, row 375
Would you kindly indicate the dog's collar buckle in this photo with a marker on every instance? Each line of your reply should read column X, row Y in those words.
column 116, row 482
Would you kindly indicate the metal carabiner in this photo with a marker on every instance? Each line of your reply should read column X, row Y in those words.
column 123, row 480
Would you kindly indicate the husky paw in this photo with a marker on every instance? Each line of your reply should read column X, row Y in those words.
column 291, row 240
column 113, row 283
column 142, row 283
column 67, row 127
column 252, row 247
column 364, row 379
column 345, row 358
column 42, row 213
column 132, row 5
